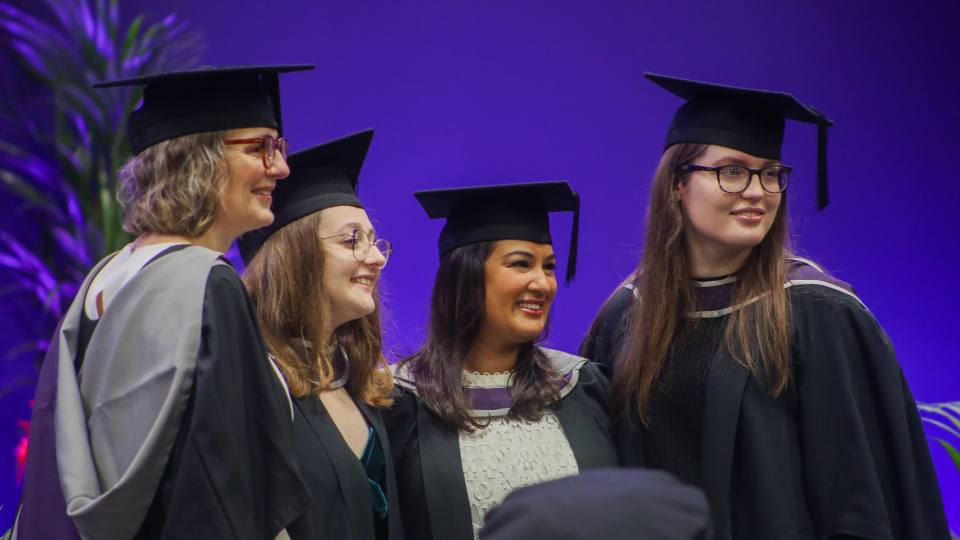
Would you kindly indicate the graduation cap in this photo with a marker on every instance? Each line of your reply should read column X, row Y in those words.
column 502, row 212
column 748, row 120
column 323, row 176
column 181, row 103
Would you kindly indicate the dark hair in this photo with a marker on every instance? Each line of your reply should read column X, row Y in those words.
column 456, row 313
column 757, row 334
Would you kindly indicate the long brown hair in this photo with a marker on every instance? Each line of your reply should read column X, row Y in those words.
column 757, row 333
column 285, row 281
column 456, row 312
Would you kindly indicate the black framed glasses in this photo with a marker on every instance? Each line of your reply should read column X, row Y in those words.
column 737, row 178
column 360, row 242
column 269, row 146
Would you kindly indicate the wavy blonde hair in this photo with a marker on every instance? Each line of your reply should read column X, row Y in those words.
column 285, row 281
column 174, row 186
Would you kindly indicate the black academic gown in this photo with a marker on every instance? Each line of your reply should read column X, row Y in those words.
column 343, row 503
column 231, row 470
column 233, row 473
column 433, row 495
column 841, row 452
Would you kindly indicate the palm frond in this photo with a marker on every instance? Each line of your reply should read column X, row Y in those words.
column 68, row 139
column 938, row 413
column 954, row 453
column 945, row 416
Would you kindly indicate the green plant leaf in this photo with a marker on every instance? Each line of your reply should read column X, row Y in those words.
column 23, row 189
column 65, row 176
column 954, row 453
column 131, row 38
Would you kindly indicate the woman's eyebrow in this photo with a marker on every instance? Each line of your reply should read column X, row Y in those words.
column 522, row 252
column 354, row 225
column 733, row 160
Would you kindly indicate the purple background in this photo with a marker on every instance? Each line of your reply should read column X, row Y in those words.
column 486, row 92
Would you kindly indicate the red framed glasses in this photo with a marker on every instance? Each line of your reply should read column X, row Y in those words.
column 268, row 144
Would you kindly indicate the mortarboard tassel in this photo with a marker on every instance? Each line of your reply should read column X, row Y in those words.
column 822, row 194
column 572, row 260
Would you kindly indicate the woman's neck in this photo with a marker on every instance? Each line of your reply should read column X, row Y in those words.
column 484, row 358
column 215, row 238
column 211, row 239
column 711, row 263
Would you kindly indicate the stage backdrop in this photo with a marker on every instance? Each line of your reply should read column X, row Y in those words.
column 471, row 92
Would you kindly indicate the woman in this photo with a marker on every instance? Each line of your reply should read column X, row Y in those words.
column 168, row 422
column 746, row 371
column 481, row 408
column 313, row 278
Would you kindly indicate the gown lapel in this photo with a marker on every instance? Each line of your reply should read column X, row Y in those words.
column 581, row 432
column 446, row 493
column 724, row 392
column 356, row 494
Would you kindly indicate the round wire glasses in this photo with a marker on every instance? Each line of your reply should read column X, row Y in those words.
column 360, row 242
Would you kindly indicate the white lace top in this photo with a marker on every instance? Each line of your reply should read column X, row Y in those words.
column 508, row 454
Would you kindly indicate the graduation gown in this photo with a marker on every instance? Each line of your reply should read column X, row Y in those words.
column 171, row 424
column 433, row 495
column 338, row 481
column 841, row 452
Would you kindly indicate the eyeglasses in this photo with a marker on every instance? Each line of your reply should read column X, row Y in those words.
column 269, row 145
column 360, row 242
column 737, row 178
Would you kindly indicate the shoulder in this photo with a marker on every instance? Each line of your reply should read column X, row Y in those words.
column 404, row 394
column 575, row 371
column 223, row 280
column 562, row 362
column 186, row 267
column 591, row 373
column 822, row 302
column 815, row 293
column 602, row 341
column 831, row 324
column 808, row 281
column 619, row 302
column 404, row 380
column 400, row 418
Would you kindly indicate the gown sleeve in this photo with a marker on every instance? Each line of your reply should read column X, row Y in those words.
column 603, row 340
column 868, row 471
column 233, row 473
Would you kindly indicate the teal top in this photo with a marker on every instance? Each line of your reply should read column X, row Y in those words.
column 374, row 462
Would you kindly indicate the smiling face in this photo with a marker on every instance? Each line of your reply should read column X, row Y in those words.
column 349, row 283
column 519, row 285
column 721, row 228
column 246, row 197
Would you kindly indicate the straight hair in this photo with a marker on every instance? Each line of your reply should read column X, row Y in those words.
column 757, row 333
